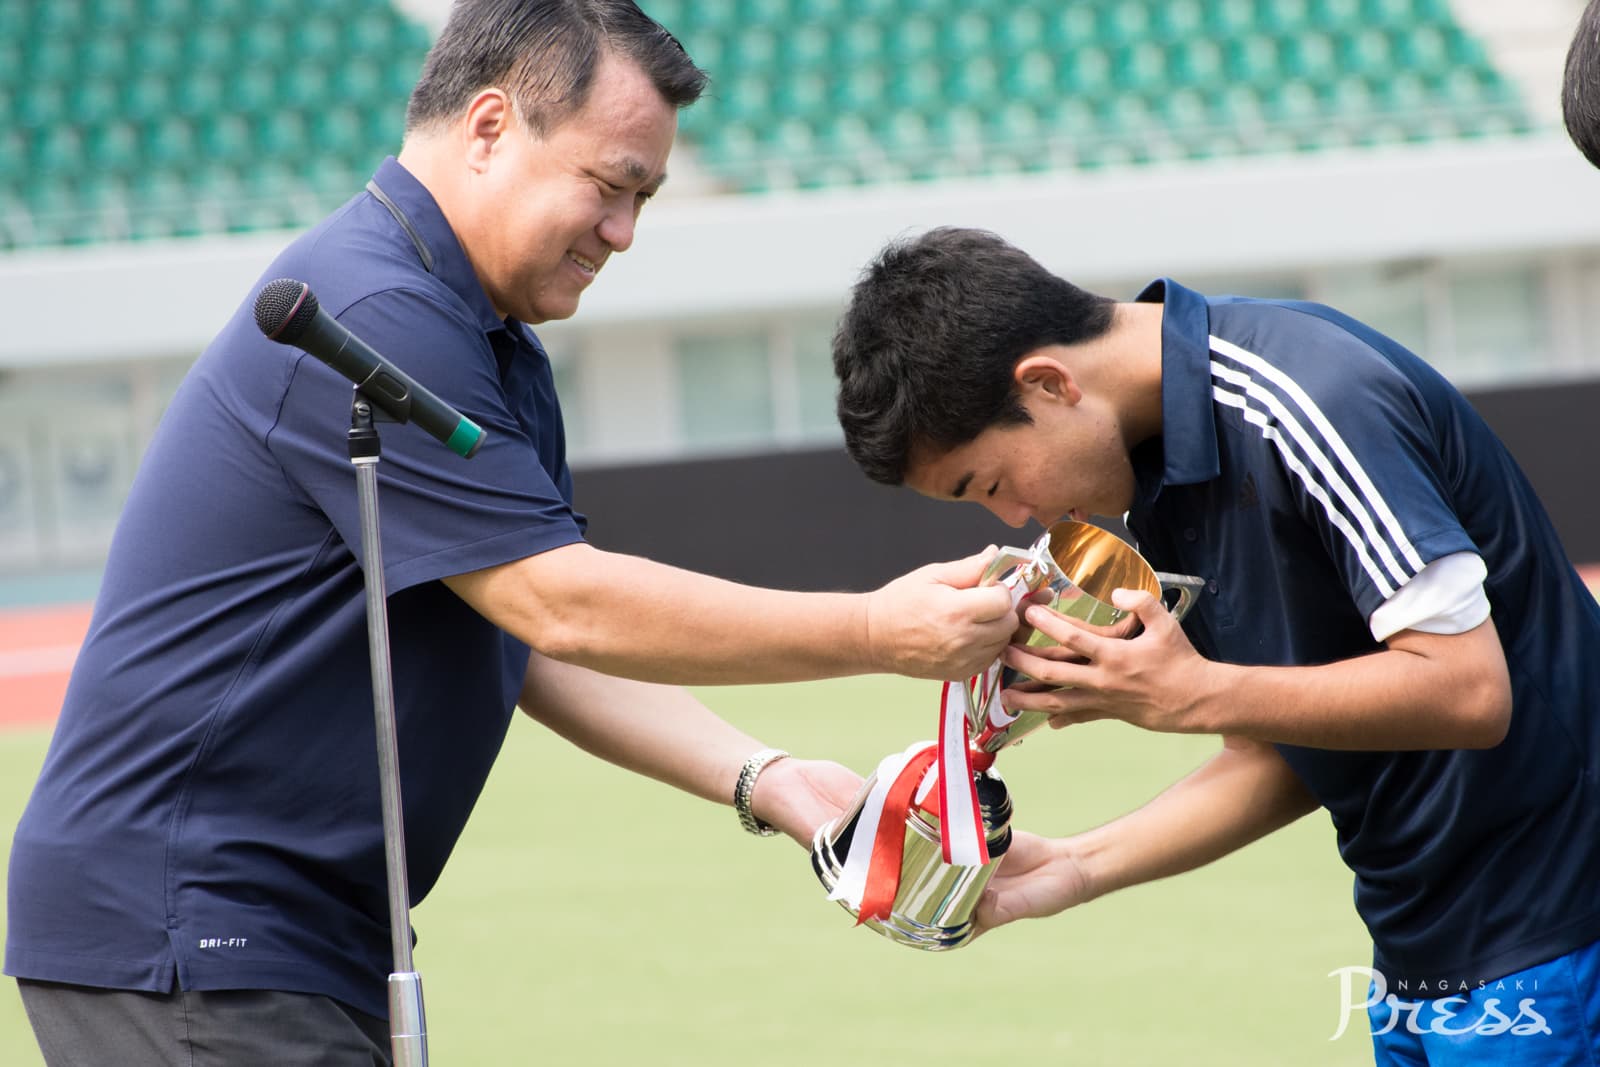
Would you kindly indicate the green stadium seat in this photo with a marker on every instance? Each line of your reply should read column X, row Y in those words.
column 917, row 86
column 763, row 13
column 227, row 138
column 93, row 101
column 915, row 40
column 58, row 153
column 804, row 96
column 114, row 148
column 208, row 47
column 170, row 144
column 861, row 91
column 1179, row 20
column 48, row 61
column 1337, row 14
column 859, row 44
column 1195, row 62
column 1140, row 67
column 1254, row 59
column 1020, row 29
column 1125, row 22
column 1066, row 27
column 966, row 34
column 1285, row 16
column 42, row 105
column 267, row 42
column 1230, row 18
column 317, row 40
column 148, row 97
column 1085, row 72
column 1313, row 56
column 754, row 50
column 156, row 51
column 1366, row 52
column 305, row 87
column 1029, row 77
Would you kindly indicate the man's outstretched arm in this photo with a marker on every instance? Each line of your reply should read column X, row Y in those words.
column 635, row 618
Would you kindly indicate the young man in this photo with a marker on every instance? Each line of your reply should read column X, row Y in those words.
column 199, row 875
column 1390, row 628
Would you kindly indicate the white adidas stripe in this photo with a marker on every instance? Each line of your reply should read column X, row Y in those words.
column 1292, row 461
column 1353, row 506
column 1334, row 468
column 1369, row 492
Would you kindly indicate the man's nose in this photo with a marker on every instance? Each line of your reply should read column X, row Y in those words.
column 616, row 229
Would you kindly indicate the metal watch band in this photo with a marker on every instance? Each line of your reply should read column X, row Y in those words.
column 745, row 788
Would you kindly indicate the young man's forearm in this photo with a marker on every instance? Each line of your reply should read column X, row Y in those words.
column 1242, row 794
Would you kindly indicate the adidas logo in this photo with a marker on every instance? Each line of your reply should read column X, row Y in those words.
column 1249, row 498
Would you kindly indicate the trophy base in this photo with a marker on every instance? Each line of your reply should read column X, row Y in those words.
column 935, row 901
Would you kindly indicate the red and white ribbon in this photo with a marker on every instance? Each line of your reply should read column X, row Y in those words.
column 870, row 877
column 936, row 776
column 961, row 834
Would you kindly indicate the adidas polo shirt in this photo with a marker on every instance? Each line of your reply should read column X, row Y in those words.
column 1309, row 468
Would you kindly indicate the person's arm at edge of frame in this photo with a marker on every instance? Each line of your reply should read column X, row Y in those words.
column 635, row 618
column 664, row 733
column 1421, row 691
column 1240, row 795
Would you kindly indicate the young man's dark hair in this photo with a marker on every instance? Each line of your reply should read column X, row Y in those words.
column 1580, row 89
column 935, row 325
column 544, row 53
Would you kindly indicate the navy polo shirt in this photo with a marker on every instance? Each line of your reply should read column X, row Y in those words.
column 208, row 812
column 1308, row 467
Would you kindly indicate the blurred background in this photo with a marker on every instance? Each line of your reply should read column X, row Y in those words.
column 1399, row 159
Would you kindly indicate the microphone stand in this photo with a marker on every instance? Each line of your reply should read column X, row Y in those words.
column 408, row 1030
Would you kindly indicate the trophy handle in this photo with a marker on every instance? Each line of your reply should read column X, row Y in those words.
column 1186, row 586
column 1004, row 561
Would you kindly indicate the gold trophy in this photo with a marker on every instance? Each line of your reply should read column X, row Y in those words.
column 889, row 859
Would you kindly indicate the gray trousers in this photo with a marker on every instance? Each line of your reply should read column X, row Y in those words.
column 79, row 1026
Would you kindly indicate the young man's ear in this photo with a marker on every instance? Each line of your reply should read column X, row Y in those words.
column 1047, row 377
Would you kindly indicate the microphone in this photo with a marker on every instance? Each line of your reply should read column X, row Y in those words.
column 287, row 312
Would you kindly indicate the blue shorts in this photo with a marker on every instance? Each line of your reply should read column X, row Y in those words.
column 1545, row 1016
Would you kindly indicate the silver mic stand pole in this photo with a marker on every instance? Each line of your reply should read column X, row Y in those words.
column 408, row 1029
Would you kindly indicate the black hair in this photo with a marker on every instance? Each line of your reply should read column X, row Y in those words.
column 1580, row 88
column 544, row 54
column 924, row 354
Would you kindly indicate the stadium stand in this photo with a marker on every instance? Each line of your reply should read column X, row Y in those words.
column 131, row 119
column 823, row 92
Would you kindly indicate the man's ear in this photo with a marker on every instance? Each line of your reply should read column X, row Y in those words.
column 1046, row 377
column 487, row 120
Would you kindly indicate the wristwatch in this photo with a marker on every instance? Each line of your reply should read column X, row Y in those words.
column 745, row 788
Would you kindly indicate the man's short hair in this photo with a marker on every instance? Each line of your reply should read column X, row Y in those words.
column 544, row 54
column 1580, row 88
column 936, row 324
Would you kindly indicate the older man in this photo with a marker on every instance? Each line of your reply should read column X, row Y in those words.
column 199, row 875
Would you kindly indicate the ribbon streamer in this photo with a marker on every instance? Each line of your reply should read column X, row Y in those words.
column 880, row 833
column 961, row 834
column 937, row 776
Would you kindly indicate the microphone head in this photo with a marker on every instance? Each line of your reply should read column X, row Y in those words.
column 285, row 309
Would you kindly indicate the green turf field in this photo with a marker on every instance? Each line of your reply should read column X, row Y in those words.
column 592, row 917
